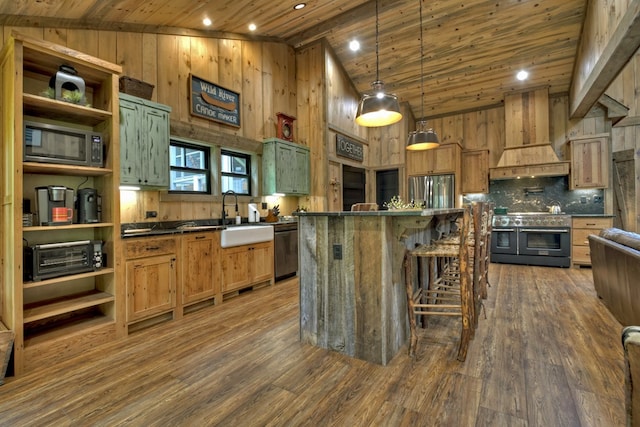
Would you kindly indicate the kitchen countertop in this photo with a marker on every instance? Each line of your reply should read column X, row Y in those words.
column 392, row 212
column 592, row 215
column 134, row 230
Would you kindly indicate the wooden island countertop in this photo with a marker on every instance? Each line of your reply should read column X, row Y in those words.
column 352, row 291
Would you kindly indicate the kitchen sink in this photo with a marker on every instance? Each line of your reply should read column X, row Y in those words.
column 200, row 227
column 245, row 235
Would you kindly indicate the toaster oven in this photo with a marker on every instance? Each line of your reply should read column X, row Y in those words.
column 61, row 259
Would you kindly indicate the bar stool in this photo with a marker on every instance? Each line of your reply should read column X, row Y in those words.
column 448, row 293
column 487, row 220
column 478, row 255
column 359, row 207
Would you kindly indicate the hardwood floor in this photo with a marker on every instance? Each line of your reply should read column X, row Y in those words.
column 547, row 354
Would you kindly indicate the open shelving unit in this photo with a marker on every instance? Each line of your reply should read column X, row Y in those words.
column 63, row 316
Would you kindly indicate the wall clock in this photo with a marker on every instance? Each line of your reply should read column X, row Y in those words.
column 285, row 127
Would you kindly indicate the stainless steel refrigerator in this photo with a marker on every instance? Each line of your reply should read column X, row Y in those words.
column 433, row 191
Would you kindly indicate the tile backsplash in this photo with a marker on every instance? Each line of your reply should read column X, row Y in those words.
column 537, row 194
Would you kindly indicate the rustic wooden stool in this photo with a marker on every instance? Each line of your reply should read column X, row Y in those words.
column 447, row 294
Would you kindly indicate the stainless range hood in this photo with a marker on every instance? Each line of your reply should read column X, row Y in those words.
column 528, row 151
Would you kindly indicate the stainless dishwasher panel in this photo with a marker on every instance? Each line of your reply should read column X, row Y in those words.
column 285, row 247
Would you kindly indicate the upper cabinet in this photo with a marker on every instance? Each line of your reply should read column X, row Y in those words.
column 60, row 139
column 442, row 160
column 475, row 171
column 285, row 168
column 590, row 158
column 144, row 142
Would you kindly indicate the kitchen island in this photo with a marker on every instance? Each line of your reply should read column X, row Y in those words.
column 352, row 291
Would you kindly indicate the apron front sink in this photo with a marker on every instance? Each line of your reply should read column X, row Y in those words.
column 245, row 235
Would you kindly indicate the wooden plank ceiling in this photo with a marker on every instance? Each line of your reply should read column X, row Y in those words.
column 472, row 48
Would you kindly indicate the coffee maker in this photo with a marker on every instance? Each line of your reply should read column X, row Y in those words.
column 89, row 206
column 54, row 205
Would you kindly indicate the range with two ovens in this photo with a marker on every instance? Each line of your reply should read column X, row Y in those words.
column 532, row 239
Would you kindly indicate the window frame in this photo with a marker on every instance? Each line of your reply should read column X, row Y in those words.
column 207, row 171
column 248, row 161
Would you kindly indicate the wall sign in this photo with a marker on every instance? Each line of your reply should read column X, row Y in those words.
column 349, row 148
column 213, row 102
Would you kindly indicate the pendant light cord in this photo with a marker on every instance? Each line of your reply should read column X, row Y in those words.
column 421, row 65
column 377, row 60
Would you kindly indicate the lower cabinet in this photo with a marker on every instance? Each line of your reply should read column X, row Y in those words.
column 151, row 277
column 581, row 228
column 246, row 265
column 200, row 259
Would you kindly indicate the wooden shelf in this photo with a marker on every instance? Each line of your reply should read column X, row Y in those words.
column 80, row 325
column 58, row 169
column 35, row 105
column 64, row 279
column 67, row 227
column 45, row 309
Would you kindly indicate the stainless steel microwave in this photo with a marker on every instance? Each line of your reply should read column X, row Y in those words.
column 64, row 145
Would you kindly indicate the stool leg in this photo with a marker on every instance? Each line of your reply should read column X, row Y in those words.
column 408, row 280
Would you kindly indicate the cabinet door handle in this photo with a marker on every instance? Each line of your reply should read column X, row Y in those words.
column 200, row 237
column 591, row 224
column 152, row 248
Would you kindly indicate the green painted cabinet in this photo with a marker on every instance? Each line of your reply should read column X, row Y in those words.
column 144, row 142
column 285, row 167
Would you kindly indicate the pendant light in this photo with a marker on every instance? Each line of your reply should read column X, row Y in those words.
column 422, row 138
column 378, row 108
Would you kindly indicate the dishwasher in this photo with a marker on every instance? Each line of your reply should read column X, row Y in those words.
column 285, row 247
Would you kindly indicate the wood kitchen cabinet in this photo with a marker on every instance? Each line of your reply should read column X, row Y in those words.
column 581, row 228
column 151, row 277
column 247, row 265
column 590, row 157
column 475, row 171
column 445, row 159
column 285, row 167
column 144, row 142
column 200, row 257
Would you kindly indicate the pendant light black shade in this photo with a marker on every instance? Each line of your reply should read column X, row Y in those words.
column 422, row 138
column 378, row 108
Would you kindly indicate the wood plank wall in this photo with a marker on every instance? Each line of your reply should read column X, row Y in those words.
column 262, row 72
column 311, row 85
column 625, row 135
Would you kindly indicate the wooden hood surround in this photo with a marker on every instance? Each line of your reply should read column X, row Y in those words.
column 528, row 151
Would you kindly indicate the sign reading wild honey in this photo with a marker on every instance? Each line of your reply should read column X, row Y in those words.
column 213, row 102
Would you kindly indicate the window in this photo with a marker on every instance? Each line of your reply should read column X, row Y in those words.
column 189, row 167
column 236, row 172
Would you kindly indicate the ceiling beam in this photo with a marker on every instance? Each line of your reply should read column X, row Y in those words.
column 358, row 14
column 622, row 45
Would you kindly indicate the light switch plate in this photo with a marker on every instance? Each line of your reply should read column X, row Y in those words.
column 337, row 251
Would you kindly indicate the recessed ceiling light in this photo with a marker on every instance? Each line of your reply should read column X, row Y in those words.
column 206, row 21
column 252, row 27
column 354, row 45
column 522, row 75
column 299, row 6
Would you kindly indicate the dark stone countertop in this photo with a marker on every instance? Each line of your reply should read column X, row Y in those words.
column 393, row 212
column 592, row 215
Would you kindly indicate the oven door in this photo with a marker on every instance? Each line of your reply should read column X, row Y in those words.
column 504, row 241
column 545, row 241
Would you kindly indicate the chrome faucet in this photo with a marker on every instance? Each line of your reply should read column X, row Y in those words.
column 224, row 195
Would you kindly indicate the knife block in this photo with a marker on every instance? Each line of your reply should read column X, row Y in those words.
column 271, row 217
